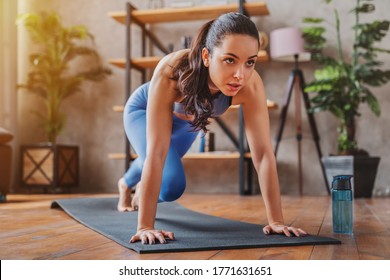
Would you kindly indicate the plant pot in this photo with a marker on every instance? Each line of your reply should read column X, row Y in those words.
column 5, row 170
column 49, row 166
column 362, row 168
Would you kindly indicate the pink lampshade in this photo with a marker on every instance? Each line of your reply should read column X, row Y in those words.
column 287, row 42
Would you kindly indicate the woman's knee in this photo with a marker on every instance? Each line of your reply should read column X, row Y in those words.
column 173, row 190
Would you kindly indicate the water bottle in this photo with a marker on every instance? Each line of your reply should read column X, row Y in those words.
column 202, row 142
column 342, row 211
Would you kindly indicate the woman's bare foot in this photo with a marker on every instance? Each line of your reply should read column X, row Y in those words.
column 125, row 201
column 135, row 200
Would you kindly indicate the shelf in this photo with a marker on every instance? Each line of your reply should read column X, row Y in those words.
column 215, row 155
column 140, row 63
column 188, row 14
column 149, row 62
column 206, row 155
column 117, row 156
column 118, row 108
column 270, row 104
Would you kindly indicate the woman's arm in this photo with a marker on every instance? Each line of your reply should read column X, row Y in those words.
column 257, row 130
column 162, row 94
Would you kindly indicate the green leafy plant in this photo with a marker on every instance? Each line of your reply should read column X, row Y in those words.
column 342, row 83
column 50, row 76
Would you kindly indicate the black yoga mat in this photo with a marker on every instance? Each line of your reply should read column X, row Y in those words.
column 193, row 231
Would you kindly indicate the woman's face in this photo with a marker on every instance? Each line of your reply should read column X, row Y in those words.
column 231, row 64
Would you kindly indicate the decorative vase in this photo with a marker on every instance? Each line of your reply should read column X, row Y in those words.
column 362, row 168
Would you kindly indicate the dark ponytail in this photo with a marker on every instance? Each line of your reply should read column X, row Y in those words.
column 192, row 81
column 192, row 76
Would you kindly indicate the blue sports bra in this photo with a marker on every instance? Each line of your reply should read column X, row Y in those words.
column 220, row 105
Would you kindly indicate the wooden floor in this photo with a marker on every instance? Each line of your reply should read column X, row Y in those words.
column 31, row 230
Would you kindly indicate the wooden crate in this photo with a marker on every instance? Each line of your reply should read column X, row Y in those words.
column 48, row 166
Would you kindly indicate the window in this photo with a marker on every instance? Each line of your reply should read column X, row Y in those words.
column 8, row 64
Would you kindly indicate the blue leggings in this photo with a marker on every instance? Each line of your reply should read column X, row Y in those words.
column 134, row 118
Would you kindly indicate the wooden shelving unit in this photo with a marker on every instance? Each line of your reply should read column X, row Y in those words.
column 144, row 18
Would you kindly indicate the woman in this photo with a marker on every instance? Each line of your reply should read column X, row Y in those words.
column 187, row 88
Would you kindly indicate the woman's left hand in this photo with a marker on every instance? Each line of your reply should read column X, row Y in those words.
column 283, row 229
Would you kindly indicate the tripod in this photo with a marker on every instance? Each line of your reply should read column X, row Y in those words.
column 296, row 80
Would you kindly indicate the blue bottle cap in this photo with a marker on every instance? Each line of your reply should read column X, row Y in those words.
column 342, row 182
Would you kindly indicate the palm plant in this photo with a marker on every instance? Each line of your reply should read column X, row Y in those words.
column 50, row 77
column 343, row 83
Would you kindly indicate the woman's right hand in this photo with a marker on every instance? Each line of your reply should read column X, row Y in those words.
column 149, row 236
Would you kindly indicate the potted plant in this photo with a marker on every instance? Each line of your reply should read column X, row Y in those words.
column 50, row 79
column 343, row 83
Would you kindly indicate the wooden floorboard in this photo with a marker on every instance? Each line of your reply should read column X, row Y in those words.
column 30, row 229
column 346, row 251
